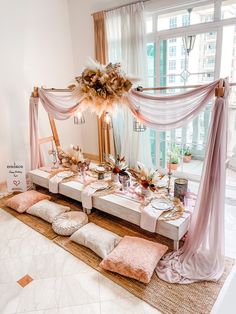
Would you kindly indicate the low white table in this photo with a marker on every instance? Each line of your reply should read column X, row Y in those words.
column 118, row 206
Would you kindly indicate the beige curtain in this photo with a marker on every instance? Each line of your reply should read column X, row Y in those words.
column 106, row 145
column 100, row 39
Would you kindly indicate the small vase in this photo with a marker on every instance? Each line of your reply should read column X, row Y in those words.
column 145, row 191
column 114, row 177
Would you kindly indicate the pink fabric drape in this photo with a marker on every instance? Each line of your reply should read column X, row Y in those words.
column 202, row 256
column 165, row 112
column 35, row 152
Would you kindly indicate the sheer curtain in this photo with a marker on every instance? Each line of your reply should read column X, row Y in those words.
column 125, row 36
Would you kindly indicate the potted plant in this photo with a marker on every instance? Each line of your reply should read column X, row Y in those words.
column 173, row 158
column 187, row 155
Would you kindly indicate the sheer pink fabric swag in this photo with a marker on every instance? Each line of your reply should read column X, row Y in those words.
column 202, row 256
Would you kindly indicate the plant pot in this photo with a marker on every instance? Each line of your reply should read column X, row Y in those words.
column 172, row 166
column 187, row 158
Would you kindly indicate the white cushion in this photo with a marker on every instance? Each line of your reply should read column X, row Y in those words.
column 67, row 223
column 99, row 240
column 47, row 210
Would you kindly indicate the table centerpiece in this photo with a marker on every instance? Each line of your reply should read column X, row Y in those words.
column 147, row 178
column 116, row 166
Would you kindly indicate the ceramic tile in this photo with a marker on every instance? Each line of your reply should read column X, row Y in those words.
column 57, row 264
column 9, row 297
column 79, row 289
column 130, row 305
column 110, row 290
column 11, row 269
column 24, row 281
column 93, row 308
column 40, row 295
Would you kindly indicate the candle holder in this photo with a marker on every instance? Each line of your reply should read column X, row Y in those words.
column 169, row 182
column 180, row 188
column 100, row 169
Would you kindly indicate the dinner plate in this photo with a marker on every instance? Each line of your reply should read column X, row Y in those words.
column 65, row 174
column 162, row 204
column 99, row 185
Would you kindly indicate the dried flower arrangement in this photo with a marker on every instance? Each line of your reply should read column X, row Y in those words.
column 146, row 177
column 73, row 158
column 116, row 165
column 101, row 86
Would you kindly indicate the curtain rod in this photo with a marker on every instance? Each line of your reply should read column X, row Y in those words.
column 140, row 88
column 125, row 5
column 134, row 2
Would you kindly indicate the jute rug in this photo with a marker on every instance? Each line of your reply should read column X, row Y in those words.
column 196, row 298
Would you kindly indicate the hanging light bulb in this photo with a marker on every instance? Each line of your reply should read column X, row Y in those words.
column 79, row 118
column 107, row 121
column 138, row 126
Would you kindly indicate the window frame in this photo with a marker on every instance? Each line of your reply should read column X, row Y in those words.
column 215, row 26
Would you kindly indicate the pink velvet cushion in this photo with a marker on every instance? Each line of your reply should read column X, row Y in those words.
column 134, row 257
column 21, row 202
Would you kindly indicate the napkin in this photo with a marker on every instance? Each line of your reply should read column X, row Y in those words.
column 149, row 217
column 86, row 197
column 54, row 184
column 55, row 180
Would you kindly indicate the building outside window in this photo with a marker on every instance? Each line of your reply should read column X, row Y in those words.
column 172, row 65
column 173, row 22
column 185, row 20
column 171, row 79
column 172, row 51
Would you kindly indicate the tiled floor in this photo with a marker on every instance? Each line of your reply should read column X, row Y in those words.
column 63, row 284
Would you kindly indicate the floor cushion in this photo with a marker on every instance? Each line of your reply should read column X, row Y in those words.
column 135, row 258
column 99, row 240
column 47, row 210
column 21, row 202
column 67, row 223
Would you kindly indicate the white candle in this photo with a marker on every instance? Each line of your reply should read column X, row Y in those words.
column 169, row 170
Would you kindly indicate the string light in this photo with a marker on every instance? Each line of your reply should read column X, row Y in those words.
column 79, row 118
column 138, row 126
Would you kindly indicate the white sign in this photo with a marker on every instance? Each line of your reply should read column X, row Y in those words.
column 16, row 180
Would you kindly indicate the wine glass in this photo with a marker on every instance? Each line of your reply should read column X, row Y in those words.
column 54, row 159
